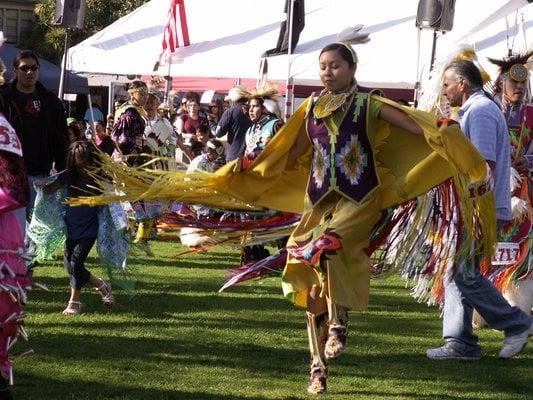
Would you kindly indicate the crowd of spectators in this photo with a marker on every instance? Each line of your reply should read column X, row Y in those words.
column 186, row 137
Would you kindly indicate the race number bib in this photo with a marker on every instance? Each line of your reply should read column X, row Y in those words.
column 9, row 140
column 506, row 253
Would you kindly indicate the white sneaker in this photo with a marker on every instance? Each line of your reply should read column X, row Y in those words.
column 515, row 344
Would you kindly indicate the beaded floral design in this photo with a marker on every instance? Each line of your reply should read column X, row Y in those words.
column 352, row 160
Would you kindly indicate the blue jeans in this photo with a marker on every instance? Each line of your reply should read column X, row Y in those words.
column 468, row 290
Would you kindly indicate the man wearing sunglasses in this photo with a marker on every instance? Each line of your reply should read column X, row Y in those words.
column 38, row 118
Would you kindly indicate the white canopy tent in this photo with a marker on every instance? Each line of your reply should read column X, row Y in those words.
column 390, row 58
column 228, row 38
column 223, row 35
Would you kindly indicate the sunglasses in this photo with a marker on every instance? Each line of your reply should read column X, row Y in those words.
column 26, row 68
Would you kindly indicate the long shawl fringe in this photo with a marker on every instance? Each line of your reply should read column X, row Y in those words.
column 427, row 233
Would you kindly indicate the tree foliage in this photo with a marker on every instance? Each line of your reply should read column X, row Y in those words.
column 47, row 39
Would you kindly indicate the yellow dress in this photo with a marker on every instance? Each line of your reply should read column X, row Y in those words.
column 327, row 248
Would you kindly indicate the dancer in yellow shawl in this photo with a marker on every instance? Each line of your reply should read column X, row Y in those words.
column 328, row 271
column 339, row 161
column 342, row 205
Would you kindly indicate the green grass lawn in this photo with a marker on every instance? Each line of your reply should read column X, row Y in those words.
column 179, row 339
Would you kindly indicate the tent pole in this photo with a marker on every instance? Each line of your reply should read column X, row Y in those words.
column 289, row 87
column 433, row 51
column 530, row 86
column 417, row 81
column 61, row 89
column 110, row 99
column 91, row 112
column 168, row 81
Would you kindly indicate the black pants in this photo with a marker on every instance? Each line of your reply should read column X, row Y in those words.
column 5, row 394
column 256, row 252
column 76, row 252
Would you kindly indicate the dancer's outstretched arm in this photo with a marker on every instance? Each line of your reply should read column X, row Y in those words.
column 397, row 117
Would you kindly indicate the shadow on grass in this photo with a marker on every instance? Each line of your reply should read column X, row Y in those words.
column 179, row 293
column 178, row 328
column 148, row 354
column 208, row 260
column 179, row 262
column 47, row 303
column 201, row 349
column 31, row 387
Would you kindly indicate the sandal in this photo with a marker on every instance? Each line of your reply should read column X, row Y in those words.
column 73, row 308
column 336, row 343
column 318, row 380
column 107, row 295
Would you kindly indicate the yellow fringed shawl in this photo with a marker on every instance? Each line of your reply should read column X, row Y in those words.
column 410, row 164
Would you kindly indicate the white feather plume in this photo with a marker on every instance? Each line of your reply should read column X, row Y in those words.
column 353, row 35
column 519, row 207
column 515, row 179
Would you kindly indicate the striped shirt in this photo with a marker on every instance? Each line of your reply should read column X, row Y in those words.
column 484, row 124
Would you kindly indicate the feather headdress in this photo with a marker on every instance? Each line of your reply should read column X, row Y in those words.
column 506, row 63
column 267, row 90
column 353, row 35
column 521, row 62
column 237, row 93
column 269, row 95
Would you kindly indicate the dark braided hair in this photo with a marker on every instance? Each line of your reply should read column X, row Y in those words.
column 81, row 151
column 342, row 50
column 136, row 85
